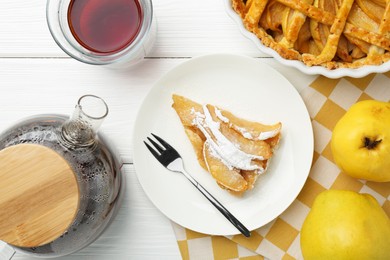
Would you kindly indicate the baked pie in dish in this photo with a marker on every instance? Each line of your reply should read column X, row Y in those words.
column 328, row 33
column 235, row 151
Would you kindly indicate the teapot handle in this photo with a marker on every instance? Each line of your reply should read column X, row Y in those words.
column 6, row 251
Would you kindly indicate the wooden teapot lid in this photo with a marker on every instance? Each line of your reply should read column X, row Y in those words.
column 39, row 195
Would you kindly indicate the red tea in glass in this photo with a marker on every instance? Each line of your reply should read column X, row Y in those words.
column 111, row 33
column 105, row 26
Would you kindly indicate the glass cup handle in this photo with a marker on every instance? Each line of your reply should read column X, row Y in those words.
column 6, row 251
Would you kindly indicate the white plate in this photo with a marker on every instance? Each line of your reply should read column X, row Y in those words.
column 249, row 89
column 313, row 70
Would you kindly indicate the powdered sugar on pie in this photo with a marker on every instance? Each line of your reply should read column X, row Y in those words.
column 235, row 151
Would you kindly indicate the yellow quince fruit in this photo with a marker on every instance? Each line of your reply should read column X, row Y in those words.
column 361, row 141
column 345, row 225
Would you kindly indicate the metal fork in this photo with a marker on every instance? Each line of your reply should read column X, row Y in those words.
column 172, row 160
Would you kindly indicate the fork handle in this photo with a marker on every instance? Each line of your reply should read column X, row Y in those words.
column 219, row 206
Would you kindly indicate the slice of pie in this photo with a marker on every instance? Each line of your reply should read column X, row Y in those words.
column 235, row 151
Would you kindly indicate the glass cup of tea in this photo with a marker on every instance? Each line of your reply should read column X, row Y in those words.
column 114, row 33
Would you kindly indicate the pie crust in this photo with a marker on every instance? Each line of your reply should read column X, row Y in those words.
column 330, row 33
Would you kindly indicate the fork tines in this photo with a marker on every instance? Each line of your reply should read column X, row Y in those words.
column 156, row 145
column 156, row 154
column 163, row 152
column 165, row 144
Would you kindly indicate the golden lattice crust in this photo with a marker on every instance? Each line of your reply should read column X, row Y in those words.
column 330, row 33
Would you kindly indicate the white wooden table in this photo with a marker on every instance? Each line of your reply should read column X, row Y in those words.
column 37, row 77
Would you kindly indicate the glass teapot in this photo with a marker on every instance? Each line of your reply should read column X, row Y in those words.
column 92, row 181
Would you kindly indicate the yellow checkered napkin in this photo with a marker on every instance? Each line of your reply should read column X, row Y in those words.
column 326, row 100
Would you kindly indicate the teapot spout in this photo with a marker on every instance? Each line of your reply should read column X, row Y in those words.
column 81, row 129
